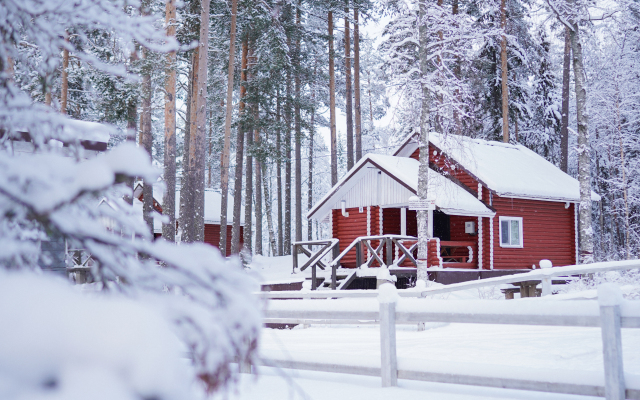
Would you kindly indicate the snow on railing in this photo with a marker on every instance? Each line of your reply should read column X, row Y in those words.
column 610, row 313
column 543, row 275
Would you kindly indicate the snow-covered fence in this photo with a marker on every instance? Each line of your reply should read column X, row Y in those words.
column 543, row 275
column 610, row 313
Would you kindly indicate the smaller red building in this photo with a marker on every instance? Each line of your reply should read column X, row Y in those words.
column 500, row 205
column 212, row 201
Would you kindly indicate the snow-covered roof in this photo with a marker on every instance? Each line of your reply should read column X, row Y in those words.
column 86, row 130
column 212, row 201
column 380, row 180
column 508, row 170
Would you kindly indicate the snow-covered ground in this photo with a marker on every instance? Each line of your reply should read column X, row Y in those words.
column 273, row 384
column 539, row 351
column 535, row 352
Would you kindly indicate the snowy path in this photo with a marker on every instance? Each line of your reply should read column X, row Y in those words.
column 568, row 351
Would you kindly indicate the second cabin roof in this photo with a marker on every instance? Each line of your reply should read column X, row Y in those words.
column 379, row 180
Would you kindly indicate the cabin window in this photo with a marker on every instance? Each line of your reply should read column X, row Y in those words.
column 511, row 232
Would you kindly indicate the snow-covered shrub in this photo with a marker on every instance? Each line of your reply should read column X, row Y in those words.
column 56, row 341
column 628, row 280
column 45, row 195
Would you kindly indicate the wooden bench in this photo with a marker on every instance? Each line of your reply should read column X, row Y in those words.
column 526, row 289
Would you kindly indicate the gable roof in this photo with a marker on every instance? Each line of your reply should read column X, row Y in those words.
column 508, row 170
column 380, row 180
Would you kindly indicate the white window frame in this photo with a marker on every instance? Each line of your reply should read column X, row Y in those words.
column 513, row 246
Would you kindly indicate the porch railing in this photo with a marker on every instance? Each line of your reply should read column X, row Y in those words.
column 380, row 249
column 315, row 258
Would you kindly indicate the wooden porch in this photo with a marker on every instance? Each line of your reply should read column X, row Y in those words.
column 390, row 251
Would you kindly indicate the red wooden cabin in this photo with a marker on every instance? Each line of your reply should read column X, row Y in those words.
column 523, row 208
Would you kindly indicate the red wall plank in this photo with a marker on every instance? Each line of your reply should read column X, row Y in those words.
column 548, row 232
column 347, row 229
column 212, row 235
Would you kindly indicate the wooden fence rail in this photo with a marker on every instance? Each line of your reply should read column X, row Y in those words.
column 609, row 313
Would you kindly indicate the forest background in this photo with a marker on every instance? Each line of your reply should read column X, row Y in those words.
column 255, row 114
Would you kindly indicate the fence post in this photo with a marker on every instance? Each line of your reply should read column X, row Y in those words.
column 610, row 298
column 294, row 255
column 546, row 281
column 388, row 297
column 245, row 367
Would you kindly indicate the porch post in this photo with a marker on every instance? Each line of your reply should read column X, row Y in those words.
column 491, row 221
column 403, row 221
column 480, row 230
column 294, row 256
column 479, row 242
column 430, row 224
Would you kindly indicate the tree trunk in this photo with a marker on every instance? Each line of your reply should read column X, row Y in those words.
column 624, row 177
column 132, row 123
column 248, row 195
column 268, row 211
column 184, row 181
column 169, row 201
column 146, row 139
column 584, row 151
column 310, row 181
column 370, row 102
column 258, row 193
column 287, row 163
column 187, row 202
column 64, row 84
column 224, row 167
column 438, row 118
column 312, row 125
column 504, row 77
column 237, row 188
column 457, row 72
column 356, row 83
column 209, row 161
column 196, row 164
column 423, row 170
column 332, row 105
column 298, row 138
column 248, row 198
column 9, row 70
column 566, row 78
column 348, row 93
column 47, row 91
column 279, row 175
